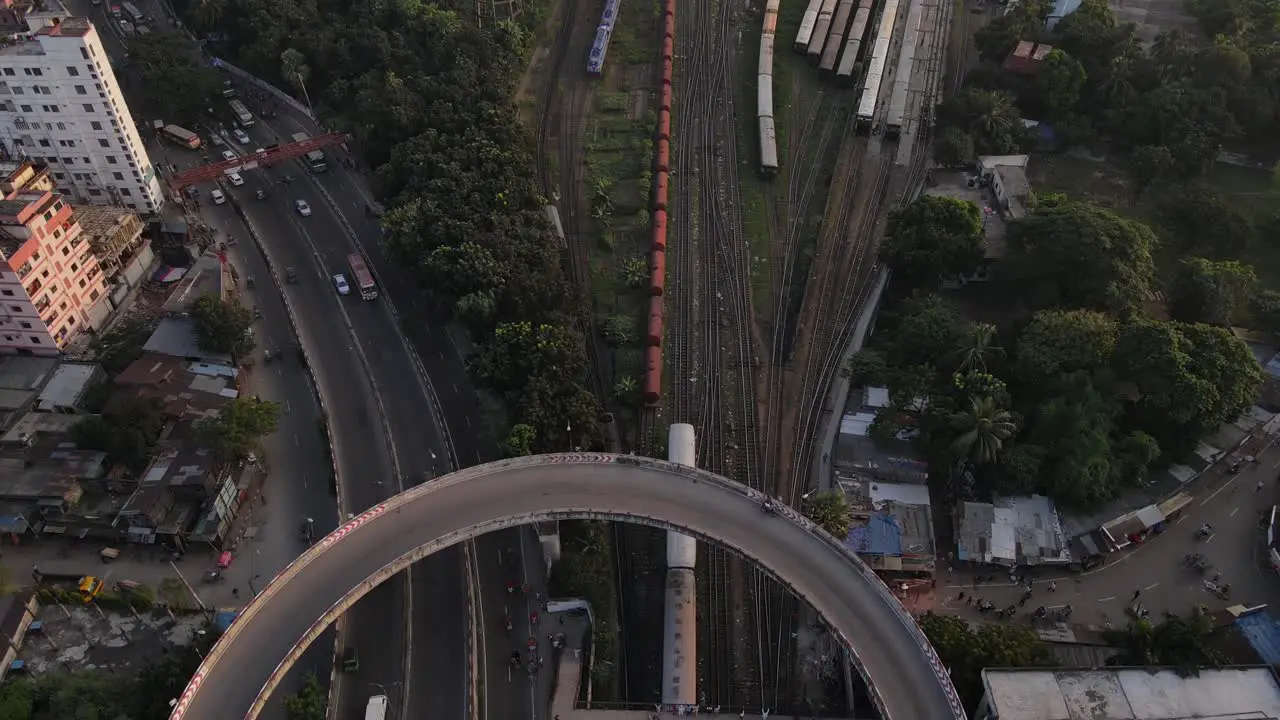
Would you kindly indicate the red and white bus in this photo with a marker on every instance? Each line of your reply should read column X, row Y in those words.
column 181, row 136
column 364, row 278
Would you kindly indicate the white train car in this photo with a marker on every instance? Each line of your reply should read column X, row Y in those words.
column 680, row 659
column 807, row 21
column 764, row 91
column 853, row 42
column 835, row 36
column 875, row 65
column 902, row 78
column 766, row 56
column 768, row 146
column 820, row 28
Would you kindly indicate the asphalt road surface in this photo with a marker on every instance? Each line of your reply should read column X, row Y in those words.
column 482, row 498
column 1155, row 569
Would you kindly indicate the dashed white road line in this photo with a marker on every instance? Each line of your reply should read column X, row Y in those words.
column 1107, row 598
column 1152, row 586
column 1234, row 510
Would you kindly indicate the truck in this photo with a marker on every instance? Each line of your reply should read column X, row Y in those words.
column 364, row 278
column 181, row 136
column 243, row 116
column 314, row 160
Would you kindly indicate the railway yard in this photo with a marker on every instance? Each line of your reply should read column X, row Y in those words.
column 784, row 132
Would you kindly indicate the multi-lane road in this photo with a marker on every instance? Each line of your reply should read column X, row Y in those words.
column 908, row 679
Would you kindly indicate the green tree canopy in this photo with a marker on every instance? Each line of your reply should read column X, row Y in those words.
column 519, row 442
column 1109, row 257
column 1209, row 291
column 127, row 432
column 989, row 117
column 521, row 352
column 235, row 431
column 1199, row 222
column 997, row 38
column 982, row 430
column 168, row 77
column 222, row 326
column 933, row 239
column 1147, row 164
column 966, row 650
column 928, row 331
column 831, row 513
column 1060, row 81
column 1060, row 342
column 311, row 702
column 1182, row 642
column 1190, row 378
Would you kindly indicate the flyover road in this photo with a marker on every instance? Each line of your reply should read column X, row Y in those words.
column 396, row 407
column 907, row 679
column 506, row 695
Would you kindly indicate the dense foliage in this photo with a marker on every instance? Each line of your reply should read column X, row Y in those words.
column 831, row 512
column 428, row 97
column 933, row 239
column 966, row 650
column 1183, row 642
column 1171, row 106
column 1081, row 393
column 127, row 432
column 222, row 326
column 235, row 431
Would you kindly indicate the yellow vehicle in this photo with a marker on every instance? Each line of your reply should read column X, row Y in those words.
column 89, row 587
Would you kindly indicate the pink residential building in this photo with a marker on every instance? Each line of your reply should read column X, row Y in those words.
column 51, row 287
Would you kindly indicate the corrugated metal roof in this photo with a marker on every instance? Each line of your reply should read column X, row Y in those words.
column 1263, row 633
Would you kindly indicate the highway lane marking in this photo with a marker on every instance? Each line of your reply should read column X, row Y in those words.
column 455, row 385
column 295, row 441
column 468, row 419
column 1234, row 510
column 1152, row 586
column 1105, row 599
column 1214, row 494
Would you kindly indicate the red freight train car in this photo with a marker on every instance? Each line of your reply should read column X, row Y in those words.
column 659, row 230
column 658, row 264
column 664, row 155
column 654, row 337
column 664, row 124
column 652, row 375
column 661, row 185
column 668, row 47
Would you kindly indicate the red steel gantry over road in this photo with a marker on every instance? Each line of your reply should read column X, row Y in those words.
column 270, row 156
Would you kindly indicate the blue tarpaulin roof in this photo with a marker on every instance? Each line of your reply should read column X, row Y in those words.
column 223, row 619
column 880, row 536
column 1263, row 633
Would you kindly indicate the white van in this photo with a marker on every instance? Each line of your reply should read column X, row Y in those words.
column 218, row 197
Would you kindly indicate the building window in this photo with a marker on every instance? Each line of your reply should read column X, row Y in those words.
column 25, row 325
column 26, row 71
column 93, row 295
column 44, row 142
column 68, row 161
column 6, row 292
column 75, row 267
column 9, row 72
column 50, row 109
column 111, row 160
column 82, row 283
column 63, row 126
column 37, row 72
column 73, row 71
column 125, row 192
column 60, row 176
column 88, row 107
column 103, row 142
column 85, row 160
column 34, row 340
column 95, row 125
column 26, row 108
column 17, row 90
column 117, row 175
column 81, row 91
column 95, row 192
column 15, row 308
column 84, row 53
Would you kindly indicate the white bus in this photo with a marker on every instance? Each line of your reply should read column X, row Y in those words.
column 376, row 709
column 133, row 13
column 242, row 113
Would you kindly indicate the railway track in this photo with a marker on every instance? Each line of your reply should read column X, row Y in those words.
column 709, row 342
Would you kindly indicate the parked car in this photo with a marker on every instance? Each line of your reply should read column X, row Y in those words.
column 218, row 197
column 302, row 207
column 228, row 155
column 235, row 179
column 340, row 283
column 240, row 136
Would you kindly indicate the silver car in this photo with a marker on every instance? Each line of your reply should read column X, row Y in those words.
column 340, row 282
column 303, row 208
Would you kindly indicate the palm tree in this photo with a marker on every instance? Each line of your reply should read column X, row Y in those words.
column 1170, row 51
column 983, row 430
column 830, row 512
column 994, row 113
column 980, row 346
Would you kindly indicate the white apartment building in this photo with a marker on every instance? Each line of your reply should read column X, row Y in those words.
column 51, row 285
column 60, row 105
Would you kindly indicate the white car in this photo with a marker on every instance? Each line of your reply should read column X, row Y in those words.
column 340, row 283
column 303, row 209
column 258, row 151
column 240, row 136
column 228, row 155
column 218, row 197
column 236, row 179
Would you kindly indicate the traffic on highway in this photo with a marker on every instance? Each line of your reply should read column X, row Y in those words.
column 907, row 679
